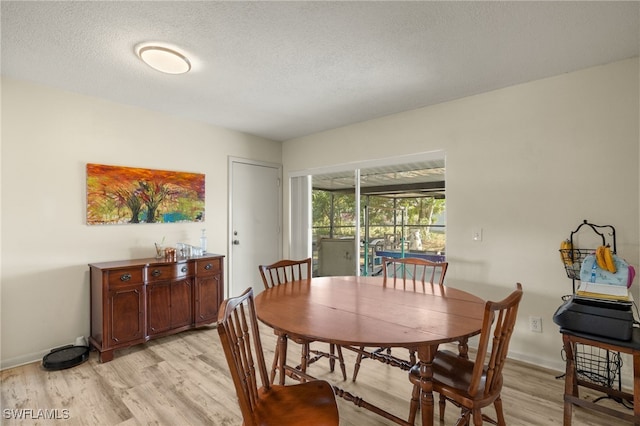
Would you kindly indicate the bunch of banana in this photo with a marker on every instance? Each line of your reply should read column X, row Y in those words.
column 566, row 252
column 604, row 258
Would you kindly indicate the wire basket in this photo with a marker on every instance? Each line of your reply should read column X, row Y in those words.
column 597, row 365
column 572, row 259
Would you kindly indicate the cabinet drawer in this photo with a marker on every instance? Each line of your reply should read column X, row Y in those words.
column 125, row 276
column 167, row 272
column 208, row 266
column 184, row 269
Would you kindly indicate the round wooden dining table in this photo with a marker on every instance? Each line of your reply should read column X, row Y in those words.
column 362, row 311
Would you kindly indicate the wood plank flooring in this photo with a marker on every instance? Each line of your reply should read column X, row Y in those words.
column 184, row 380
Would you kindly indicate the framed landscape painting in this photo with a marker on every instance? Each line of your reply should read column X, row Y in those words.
column 119, row 195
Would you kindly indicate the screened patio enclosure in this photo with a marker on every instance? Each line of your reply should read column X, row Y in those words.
column 400, row 212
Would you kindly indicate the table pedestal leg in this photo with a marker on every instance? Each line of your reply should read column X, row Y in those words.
column 426, row 354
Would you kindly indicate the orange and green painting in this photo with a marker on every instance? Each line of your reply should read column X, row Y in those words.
column 118, row 195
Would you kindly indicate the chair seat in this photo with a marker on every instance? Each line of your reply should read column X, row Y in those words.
column 300, row 404
column 451, row 374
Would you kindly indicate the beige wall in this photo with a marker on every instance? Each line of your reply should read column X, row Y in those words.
column 526, row 164
column 48, row 137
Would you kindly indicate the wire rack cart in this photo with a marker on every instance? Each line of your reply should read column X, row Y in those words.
column 592, row 364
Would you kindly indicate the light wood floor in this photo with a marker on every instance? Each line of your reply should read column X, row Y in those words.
column 184, row 380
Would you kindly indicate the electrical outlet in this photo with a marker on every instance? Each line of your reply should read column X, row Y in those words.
column 535, row 324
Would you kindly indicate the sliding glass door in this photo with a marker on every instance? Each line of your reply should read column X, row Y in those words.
column 347, row 220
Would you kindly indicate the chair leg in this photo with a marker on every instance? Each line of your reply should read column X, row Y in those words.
column 335, row 353
column 304, row 359
column 343, row 368
column 413, row 406
column 332, row 359
column 477, row 417
column 412, row 358
column 464, row 418
column 463, row 348
column 274, row 367
column 499, row 413
column 442, row 404
column 356, row 368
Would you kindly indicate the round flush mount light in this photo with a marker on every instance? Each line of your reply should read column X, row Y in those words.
column 164, row 59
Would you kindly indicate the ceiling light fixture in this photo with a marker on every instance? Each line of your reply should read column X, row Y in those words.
column 164, row 59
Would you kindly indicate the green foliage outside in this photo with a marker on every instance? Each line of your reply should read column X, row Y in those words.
column 384, row 217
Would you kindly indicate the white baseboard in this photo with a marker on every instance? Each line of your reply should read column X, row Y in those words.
column 5, row 364
column 555, row 364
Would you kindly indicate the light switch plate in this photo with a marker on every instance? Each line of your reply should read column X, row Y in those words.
column 476, row 235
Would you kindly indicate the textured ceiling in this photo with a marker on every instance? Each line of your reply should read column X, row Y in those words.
column 287, row 69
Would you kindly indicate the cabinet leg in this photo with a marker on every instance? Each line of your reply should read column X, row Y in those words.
column 106, row 356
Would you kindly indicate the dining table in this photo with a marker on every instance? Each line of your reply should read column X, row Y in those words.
column 364, row 311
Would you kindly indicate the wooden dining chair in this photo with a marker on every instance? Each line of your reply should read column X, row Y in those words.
column 412, row 273
column 473, row 385
column 409, row 274
column 285, row 271
column 312, row 402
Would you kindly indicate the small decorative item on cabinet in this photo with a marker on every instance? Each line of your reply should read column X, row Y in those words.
column 159, row 250
column 170, row 254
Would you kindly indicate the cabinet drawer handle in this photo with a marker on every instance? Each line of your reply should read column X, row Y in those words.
column 208, row 266
column 125, row 277
column 184, row 269
column 156, row 273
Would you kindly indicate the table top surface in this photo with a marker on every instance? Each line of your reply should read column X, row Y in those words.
column 361, row 311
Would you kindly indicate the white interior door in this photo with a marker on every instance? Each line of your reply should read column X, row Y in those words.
column 255, row 229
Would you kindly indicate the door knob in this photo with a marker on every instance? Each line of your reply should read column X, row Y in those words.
column 236, row 242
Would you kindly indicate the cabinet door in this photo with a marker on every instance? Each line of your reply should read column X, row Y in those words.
column 159, row 307
column 126, row 309
column 208, row 293
column 181, row 303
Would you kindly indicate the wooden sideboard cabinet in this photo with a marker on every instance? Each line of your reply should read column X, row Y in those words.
column 133, row 301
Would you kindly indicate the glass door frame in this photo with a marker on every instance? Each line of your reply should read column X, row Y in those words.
column 300, row 219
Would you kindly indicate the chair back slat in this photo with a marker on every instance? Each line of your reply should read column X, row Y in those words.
column 416, row 271
column 497, row 328
column 285, row 271
column 240, row 338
